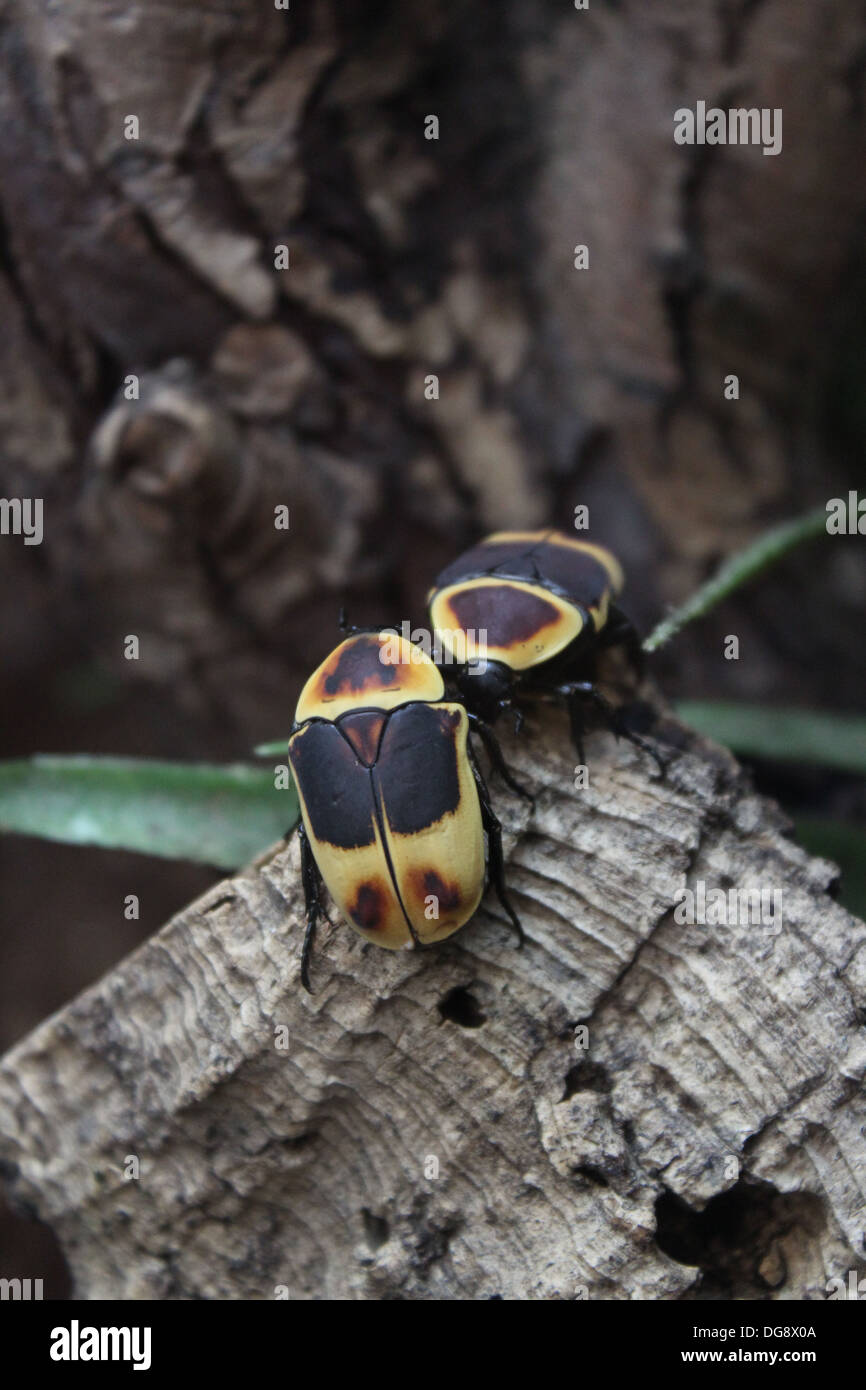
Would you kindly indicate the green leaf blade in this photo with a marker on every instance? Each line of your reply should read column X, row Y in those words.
column 789, row 735
column 845, row 845
column 738, row 570
column 219, row 815
column 276, row 749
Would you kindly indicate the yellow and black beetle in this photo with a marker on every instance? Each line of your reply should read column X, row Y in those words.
column 529, row 611
column 394, row 806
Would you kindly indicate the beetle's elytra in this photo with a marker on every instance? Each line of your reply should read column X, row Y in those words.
column 394, row 808
column 533, row 609
column 536, row 592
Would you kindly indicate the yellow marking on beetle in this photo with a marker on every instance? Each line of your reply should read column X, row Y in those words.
column 440, row 869
column 605, row 557
column 514, row 634
column 360, row 884
column 380, row 670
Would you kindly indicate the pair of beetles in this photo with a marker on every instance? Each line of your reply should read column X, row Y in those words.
column 394, row 806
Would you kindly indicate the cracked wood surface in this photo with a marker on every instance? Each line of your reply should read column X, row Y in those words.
column 707, row 1143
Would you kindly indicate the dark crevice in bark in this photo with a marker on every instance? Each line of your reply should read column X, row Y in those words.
column 737, row 1241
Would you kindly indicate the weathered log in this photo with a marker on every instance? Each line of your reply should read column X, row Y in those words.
column 154, row 258
column 430, row 1124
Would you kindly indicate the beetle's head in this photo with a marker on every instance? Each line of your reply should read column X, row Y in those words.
column 486, row 687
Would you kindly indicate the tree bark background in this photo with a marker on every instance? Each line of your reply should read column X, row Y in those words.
column 305, row 387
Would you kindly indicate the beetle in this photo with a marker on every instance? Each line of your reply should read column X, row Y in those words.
column 394, row 806
column 529, row 611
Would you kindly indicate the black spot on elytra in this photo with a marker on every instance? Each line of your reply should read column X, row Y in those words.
column 370, row 907
column 429, row 883
column 359, row 668
column 506, row 614
column 417, row 768
column 337, row 792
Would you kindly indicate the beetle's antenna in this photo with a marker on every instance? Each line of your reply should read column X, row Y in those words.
column 351, row 629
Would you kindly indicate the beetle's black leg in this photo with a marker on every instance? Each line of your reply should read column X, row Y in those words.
column 614, row 717
column 302, row 837
column 620, row 631
column 494, row 752
column 312, row 884
column 575, row 719
column 574, row 696
column 493, row 830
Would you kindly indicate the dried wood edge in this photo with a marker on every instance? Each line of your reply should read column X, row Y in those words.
column 429, row 1125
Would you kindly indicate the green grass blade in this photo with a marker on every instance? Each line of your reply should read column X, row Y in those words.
column 740, row 568
column 790, row 735
column 277, row 749
column 846, row 846
column 220, row 815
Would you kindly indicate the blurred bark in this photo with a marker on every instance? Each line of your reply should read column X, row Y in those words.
column 431, row 1124
column 305, row 387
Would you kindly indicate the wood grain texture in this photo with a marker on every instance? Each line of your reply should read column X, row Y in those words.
column 707, row 1143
